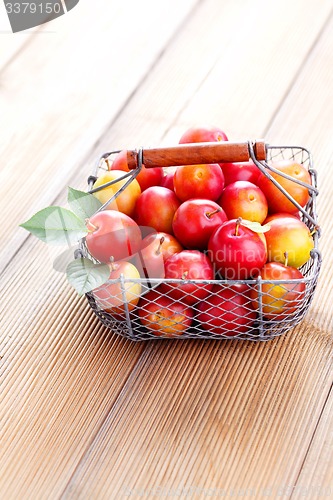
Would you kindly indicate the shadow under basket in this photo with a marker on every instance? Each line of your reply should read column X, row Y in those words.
column 243, row 315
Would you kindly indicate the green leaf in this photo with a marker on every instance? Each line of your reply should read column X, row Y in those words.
column 56, row 226
column 84, row 205
column 85, row 276
column 255, row 226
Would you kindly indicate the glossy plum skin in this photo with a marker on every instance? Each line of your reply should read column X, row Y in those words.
column 198, row 181
column 244, row 199
column 156, row 207
column 242, row 171
column 112, row 235
column 203, row 134
column 277, row 201
column 195, row 220
column 155, row 249
column 236, row 251
column 289, row 238
column 166, row 244
column 167, row 180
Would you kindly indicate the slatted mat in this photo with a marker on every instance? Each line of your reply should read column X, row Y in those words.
column 85, row 413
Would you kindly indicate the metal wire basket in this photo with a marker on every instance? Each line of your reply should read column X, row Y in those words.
column 242, row 317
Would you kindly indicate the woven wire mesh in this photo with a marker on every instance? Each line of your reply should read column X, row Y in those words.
column 145, row 308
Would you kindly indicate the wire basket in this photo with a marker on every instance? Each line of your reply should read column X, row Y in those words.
column 198, row 314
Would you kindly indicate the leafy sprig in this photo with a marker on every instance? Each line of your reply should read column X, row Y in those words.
column 56, row 225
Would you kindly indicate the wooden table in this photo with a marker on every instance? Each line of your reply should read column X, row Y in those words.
column 84, row 412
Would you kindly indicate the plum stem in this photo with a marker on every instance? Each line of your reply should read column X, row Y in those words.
column 209, row 214
column 90, row 226
column 238, row 223
column 158, row 251
column 285, row 258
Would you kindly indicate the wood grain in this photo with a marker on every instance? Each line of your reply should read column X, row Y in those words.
column 316, row 475
column 48, row 402
column 315, row 479
column 228, row 418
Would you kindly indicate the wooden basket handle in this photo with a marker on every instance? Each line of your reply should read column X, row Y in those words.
column 194, row 154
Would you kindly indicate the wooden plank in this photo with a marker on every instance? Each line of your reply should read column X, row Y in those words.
column 315, row 479
column 227, row 424
column 11, row 44
column 72, row 89
column 61, row 372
